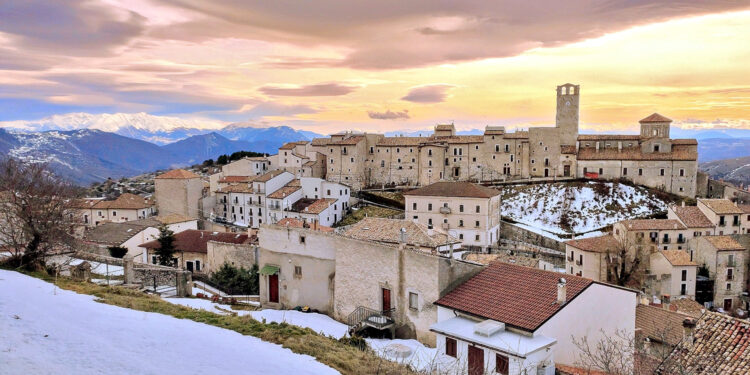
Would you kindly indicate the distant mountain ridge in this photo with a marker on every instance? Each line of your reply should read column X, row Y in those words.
column 735, row 170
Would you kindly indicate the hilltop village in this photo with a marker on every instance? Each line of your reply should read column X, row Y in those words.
column 405, row 239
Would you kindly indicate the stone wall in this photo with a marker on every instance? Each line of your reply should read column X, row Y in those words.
column 238, row 255
column 153, row 275
column 513, row 232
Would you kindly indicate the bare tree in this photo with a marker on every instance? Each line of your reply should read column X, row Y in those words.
column 35, row 212
column 625, row 263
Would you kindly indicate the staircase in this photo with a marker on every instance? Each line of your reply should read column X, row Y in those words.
column 363, row 317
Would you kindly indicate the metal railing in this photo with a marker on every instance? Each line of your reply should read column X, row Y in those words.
column 371, row 317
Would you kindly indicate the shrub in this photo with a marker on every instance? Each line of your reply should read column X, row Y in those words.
column 117, row 251
column 236, row 280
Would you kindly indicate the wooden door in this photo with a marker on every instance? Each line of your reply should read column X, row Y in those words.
column 386, row 301
column 566, row 170
column 273, row 288
column 476, row 360
column 728, row 304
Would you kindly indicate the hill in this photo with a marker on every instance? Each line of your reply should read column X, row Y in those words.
column 722, row 148
column 735, row 170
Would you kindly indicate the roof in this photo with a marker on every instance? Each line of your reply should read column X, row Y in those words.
column 177, row 174
column 173, row 219
column 85, row 203
column 194, row 241
column 292, row 145
column 320, row 141
column 125, row 201
column 655, row 117
column 242, row 188
column 566, row 149
column 745, row 208
column 115, row 233
column 268, row 176
column 402, row 141
column 720, row 346
column 684, row 153
column 517, row 135
column 599, row 244
column 389, row 231
column 687, row 306
column 721, row 206
column 460, row 139
column 692, row 217
column 454, row 189
column 659, row 324
column 445, row 127
column 518, row 296
column 655, row 224
column 236, row 179
column 283, row 192
column 312, row 206
column 678, row 258
column 684, row 141
column 724, row 243
column 298, row 223
column 353, row 140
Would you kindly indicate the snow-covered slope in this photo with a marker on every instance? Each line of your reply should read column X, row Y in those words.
column 51, row 331
column 589, row 206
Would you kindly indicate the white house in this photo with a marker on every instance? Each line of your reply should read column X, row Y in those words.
column 518, row 320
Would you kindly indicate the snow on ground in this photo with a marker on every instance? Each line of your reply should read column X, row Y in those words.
column 96, row 267
column 200, row 304
column 47, row 330
column 320, row 323
column 590, row 206
column 422, row 358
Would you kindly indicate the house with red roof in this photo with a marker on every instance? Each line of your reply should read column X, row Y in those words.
column 517, row 320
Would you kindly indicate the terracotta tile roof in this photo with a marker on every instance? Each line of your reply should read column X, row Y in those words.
column 125, row 201
column 320, row 141
column 295, row 182
column 692, row 217
column 403, row 141
column 655, row 117
column 292, row 145
column 494, row 130
column 312, row 206
column 309, row 163
column 389, row 231
column 678, row 153
column 85, row 203
column 236, row 179
column 458, row 139
column 608, row 137
column 724, row 243
column 687, row 306
column 678, row 258
column 566, row 149
column 178, row 174
column 283, row 192
column 241, row 188
column 268, row 176
column 194, row 241
column 599, row 244
column 517, row 135
column 173, row 219
column 300, row 155
column 652, row 224
column 721, row 346
column 721, row 206
column 518, row 296
column 298, row 223
column 115, row 234
column 454, row 189
column 745, row 208
column 347, row 141
column 444, row 127
column 683, row 141
column 659, row 324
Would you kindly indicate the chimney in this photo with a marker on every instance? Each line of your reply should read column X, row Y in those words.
column 688, row 328
column 562, row 291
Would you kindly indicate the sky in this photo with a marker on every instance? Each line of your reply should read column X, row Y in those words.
column 328, row 65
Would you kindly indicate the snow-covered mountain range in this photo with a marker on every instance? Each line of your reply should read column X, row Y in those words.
column 88, row 148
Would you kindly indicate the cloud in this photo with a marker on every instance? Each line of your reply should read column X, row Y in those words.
column 271, row 109
column 74, row 27
column 323, row 89
column 389, row 115
column 428, row 94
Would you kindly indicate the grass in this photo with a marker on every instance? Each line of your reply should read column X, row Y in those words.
column 393, row 195
column 369, row 211
column 337, row 354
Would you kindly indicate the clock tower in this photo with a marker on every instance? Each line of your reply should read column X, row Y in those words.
column 567, row 113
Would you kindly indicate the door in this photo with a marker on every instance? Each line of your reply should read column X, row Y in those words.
column 728, row 304
column 566, row 170
column 386, row 301
column 546, row 172
column 273, row 288
column 189, row 265
column 476, row 360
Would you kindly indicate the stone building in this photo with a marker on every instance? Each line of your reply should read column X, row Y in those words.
column 725, row 215
column 672, row 274
column 649, row 158
column 191, row 248
column 179, row 192
column 726, row 261
column 588, row 257
column 127, row 207
column 238, row 171
column 467, row 211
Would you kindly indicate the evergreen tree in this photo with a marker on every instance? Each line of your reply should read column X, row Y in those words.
column 166, row 250
column 221, row 160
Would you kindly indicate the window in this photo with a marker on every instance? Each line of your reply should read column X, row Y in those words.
column 656, row 148
column 476, row 238
column 429, row 152
column 476, row 223
column 460, row 223
column 450, row 347
column 371, row 149
column 414, row 206
column 477, row 209
column 640, row 171
column 382, row 163
column 501, row 364
column 429, row 221
column 429, row 206
column 684, row 275
column 461, row 208
column 624, row 171
column 730, row 274
column 298, row 271
column 413, row 301
column 497, row 148
column 507, row 148
column 301, row 239
column 197, row 265
column 601, row 171
column 683, row 289
column 682, row 172
column 661, row 172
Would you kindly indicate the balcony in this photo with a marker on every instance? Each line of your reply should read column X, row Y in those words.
column 579, row 263
column 666, row 240
column 730, row 277
column 570, row 258
column 445, row 210
column 731, row 263
column 680, row 239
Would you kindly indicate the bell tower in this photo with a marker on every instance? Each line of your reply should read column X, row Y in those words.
column 567, row 113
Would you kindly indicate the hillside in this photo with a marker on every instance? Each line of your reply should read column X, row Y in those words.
column 589, row 206
column 735, row 170
column 722, row 148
